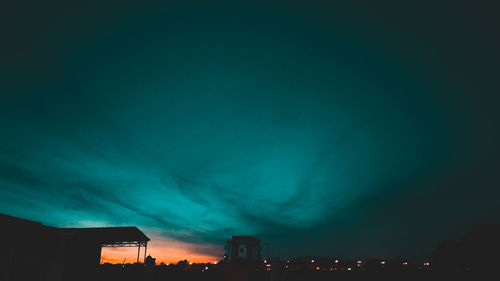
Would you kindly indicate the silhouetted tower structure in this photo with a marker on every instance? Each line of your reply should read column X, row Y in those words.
column 243, row 248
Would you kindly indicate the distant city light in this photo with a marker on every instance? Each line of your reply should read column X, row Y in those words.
column 359, row 262
column 312, row 260
column 265, row 261
column 349, row 269
column 405, row 263
column 382, row 262
column 215, row 262
column 426, row 264
column 206, row 267
column 317, row 268
column 190, row 263
column 336, row 261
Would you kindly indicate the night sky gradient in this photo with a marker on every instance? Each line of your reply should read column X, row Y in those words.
column 339, row 128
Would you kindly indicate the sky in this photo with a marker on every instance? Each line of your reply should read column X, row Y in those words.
column 336, row 128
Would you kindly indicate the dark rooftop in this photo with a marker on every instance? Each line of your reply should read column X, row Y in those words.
column 108, row 235
column 246, row 238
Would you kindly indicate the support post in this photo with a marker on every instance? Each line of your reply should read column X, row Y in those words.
column 138, row 251
column 145, row 250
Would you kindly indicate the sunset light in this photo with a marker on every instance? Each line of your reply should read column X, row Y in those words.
column 166, row 251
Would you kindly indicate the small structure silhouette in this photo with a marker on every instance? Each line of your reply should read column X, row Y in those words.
column 150, row 261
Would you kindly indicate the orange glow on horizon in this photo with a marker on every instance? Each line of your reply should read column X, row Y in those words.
column 113, row 255
column 164, row 250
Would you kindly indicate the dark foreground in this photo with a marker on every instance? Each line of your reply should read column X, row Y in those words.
column 158, row 273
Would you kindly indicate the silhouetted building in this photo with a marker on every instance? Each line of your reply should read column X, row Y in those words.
column 243, row 248
column 38, row 252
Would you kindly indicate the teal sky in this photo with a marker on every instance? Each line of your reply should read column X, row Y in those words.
column 340, row 128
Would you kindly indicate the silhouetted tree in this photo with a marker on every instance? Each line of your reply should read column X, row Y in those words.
column 478, row 251
column 446, row 256
column 480, row 248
